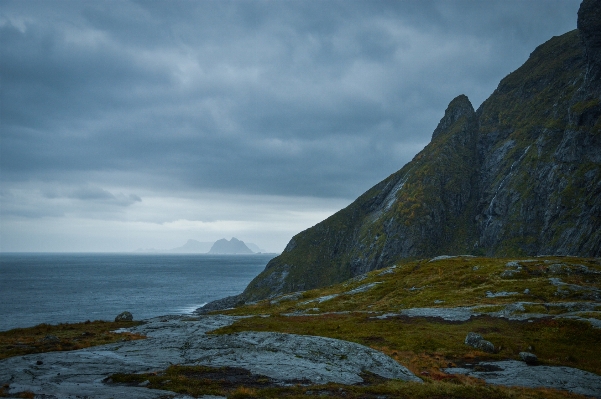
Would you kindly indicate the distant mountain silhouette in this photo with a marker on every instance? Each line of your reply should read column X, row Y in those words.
column 193, row 246
column 231, row 247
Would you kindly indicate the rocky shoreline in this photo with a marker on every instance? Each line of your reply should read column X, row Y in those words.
column 286, row 359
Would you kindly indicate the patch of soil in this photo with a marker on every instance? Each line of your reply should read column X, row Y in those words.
column 230, row 377
column 475, row 365
column 373, row 339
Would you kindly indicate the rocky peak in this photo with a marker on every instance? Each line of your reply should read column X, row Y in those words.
column 458, row 108
column 589, row 25
column 234, row 246
column 521, row 176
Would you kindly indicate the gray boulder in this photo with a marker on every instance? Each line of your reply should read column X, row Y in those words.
column 529, row 358
column 476, row 341
column 124, row 316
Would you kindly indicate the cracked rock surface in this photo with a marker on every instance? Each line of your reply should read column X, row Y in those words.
column 182, row 340
column 515, row 373
column 512, row 311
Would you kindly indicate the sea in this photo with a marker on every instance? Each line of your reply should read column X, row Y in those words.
column 56, row 288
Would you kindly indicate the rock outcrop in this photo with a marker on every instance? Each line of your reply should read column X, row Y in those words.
column 476, row 341
column 519, row 176
column 124, row 316
column 285, row 358
column 515, row 373
column 589, row 26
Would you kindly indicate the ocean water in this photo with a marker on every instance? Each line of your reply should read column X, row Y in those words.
column 57, row 288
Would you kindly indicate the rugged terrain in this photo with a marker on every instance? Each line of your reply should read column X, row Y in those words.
column 422, row 312
column 444, row 327
column 472, row 272
column 519, row 176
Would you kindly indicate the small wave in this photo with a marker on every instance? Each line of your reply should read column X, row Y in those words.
column 190, row 309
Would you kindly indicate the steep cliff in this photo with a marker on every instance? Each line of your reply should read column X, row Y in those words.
column 521, row 175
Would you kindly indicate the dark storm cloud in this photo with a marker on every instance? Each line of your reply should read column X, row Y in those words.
column 317, row 98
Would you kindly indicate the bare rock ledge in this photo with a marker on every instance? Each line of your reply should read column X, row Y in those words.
column 183, row 340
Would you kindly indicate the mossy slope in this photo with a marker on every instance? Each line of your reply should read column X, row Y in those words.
column 369, row 309
column 519, row 176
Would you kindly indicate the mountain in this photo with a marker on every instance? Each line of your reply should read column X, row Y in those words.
column 519, row 176
column 193, row 246
column 233, row 247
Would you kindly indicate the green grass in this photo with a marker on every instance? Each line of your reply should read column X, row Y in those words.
column 192, row 380
column 424, row 344
column 62, row 337
column 460, row 281
column 428, row 345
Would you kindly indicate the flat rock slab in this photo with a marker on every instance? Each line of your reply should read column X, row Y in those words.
column 181, row 340
column 461, row 313
column 510, row 312
column 515, row 373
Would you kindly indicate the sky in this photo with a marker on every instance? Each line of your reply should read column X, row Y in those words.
column 142, row 124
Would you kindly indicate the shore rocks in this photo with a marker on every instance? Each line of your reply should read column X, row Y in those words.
column 476, row 341
column 124, row 316
column 220, row 304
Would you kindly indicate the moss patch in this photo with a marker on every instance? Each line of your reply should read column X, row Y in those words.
column 62, row 337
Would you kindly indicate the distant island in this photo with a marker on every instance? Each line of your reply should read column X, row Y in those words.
column 231, row 247
column 222, row 246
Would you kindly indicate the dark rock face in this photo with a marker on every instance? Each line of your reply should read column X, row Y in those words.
column 223, row 303
column 458, row 108
column 589, row 25
column 519, row 176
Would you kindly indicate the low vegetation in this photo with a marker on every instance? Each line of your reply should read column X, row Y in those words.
column 451, row 282
column 62, row 337
column 563, row 292
column 236, row 384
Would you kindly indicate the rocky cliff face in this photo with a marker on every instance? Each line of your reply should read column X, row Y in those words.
column 521, row 175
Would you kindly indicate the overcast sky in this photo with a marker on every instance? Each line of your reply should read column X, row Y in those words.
column 139, row 124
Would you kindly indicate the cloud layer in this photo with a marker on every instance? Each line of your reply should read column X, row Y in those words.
column 108, row 107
